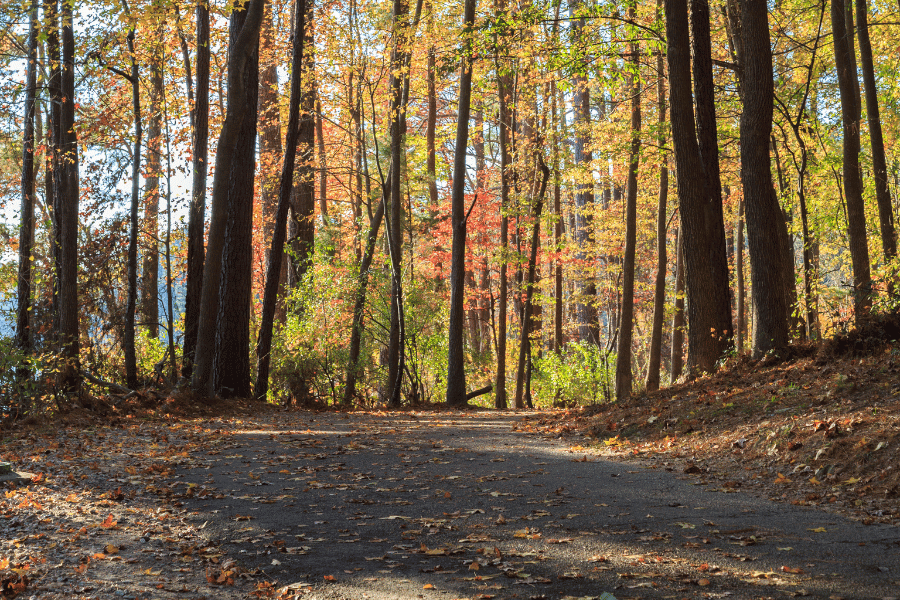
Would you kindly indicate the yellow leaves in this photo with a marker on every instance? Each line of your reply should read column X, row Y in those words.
column 817, row 530
column 111, row 549
column 4, row 563
column 814, row 481
column 781, row 479
column 852, row 481
column 72, row 498
column 433, row 551
column 428, row 586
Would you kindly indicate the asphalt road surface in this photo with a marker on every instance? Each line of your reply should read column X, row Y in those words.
column 459, row 505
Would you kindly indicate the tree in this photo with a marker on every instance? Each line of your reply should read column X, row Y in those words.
column 231, row 374
column 659, row 291
column 584, row 196
column 767, row 254
column 456, row 373
column 708, row 334
column 848, row 84
column 876, row 137
column 626, row 314
column 26, row 221
column 243, row 51
column 279, row 224
column 197, row 212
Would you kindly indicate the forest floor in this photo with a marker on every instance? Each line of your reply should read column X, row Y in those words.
column 766, row 480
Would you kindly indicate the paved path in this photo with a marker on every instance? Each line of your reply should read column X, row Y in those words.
column 448, row 506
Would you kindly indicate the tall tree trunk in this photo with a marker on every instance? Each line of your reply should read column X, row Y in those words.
column 719, row 307
column 456, row 371
column 677, row 360
column 241, row 63
column 359, row 304
column 150, row 264
column 504, row 93
column 67, row 192
column 523, row 388
column 53, row 173
column 131, row 378
column 739, row 268
column 26, row 220
column 707, row 294
column 323, row 167
column 558, row 224
column 767, row 253
column 659, row 292
column 270, row 150
column 626, row 314
column 879, row 163
column 231, row 371
column 197, row 211
column 848, row 84
column 276, row 253
column 584, row 196
column 396, row 342
column 304, row 198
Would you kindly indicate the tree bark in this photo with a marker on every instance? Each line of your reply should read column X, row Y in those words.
column 131, row 378
column 276, row 253
column 150, row 264
column 584, row 196
column 719, row 308
column 26, row 221
column 848, row 84
column 240, row 63
column 456, row 372
column 739, row 268
column 879, row 162
column 396, row 342
column 231, row 371
column 659, row 292
column 677, row 360
column 523, row 396
column 270, row 150
column 197, row 213
column 707, row 294
column 767, row 253
column 67, row 193
column 504, row 92
column 624, row 375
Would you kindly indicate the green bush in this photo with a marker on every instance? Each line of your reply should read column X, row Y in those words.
column 581, row 374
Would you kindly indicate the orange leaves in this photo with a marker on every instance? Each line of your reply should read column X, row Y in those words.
column 109, row 523
column 795, row 570
column 329, row 578
column 224, row 577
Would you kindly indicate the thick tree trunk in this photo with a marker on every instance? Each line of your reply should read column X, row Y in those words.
column 624, row 375
column 197, row 213
column 241, row 63
column 719, row 308
column 659, row 292
column 54, row 169
column 67, row 193
column 456, row 372
column 276, row 253
column 558, row 223
column 26, row 218
column 767, row 253
column 231, row 372
column 848, row 84
column 879, row 163
column 707, row 294
column 677, row 360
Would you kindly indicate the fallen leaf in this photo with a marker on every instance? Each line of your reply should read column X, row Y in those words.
column 428, row 586
column 818, row 530
column 795, row 570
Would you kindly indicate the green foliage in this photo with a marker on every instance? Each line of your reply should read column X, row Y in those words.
column 309, row 350
column 581, row 374
column 24, row 396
